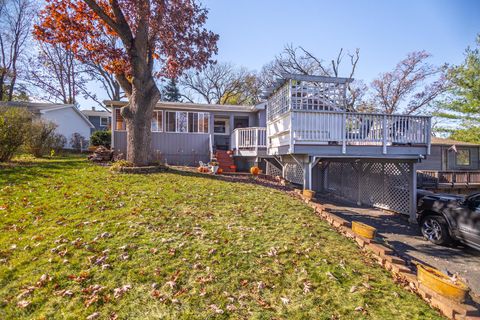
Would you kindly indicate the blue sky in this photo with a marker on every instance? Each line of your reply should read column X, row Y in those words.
column 253, row 32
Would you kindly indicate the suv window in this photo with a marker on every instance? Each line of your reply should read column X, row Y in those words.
column 475, row 201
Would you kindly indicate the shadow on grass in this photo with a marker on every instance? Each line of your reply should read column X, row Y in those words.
column 26, row 169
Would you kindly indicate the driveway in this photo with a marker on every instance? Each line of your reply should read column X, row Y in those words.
column 408, row 242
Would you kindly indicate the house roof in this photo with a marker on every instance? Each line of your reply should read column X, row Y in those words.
column 449, row 142
column 96, row 113
column 41, row 108
column 195, row 106
column 35, row 107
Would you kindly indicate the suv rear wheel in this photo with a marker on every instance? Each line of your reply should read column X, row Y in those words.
column 435, row 229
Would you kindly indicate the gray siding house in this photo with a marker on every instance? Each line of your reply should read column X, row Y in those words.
column 186, row 133
column 302, row 133
column 452, row 166
column 101, row 119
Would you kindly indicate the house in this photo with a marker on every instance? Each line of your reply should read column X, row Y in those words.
column 302, row 133
column 453, row 166
column 67, row 117
column 186, row 133
column 101, row 119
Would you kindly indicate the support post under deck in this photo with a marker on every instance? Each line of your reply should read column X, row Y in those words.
column 413, row 192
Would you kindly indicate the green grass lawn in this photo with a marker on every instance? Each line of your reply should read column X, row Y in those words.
column 76, row 239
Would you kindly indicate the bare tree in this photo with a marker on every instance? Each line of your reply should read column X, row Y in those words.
column 97, row 73
column 221, row 83
column 110, row 85
column 15, row 28
column 57, row 74
column 407, row 83
column 298, row 60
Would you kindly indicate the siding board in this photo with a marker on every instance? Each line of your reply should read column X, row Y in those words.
column 174, row 148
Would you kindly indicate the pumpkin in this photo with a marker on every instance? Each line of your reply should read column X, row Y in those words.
column 202, row 169
column 254, row 170
column 219, row 171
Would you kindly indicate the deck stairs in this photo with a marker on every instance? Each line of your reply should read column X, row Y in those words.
column 225, row 160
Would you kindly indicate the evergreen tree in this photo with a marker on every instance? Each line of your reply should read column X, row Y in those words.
column 466, row 85
column 171, row 92
column 464, row 103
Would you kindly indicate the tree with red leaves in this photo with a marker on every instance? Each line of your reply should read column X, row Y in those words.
column 167, row 33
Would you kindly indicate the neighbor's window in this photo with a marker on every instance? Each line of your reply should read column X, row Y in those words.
column 181, row 121
column 103, row 121
column 221, row 126
column 119, row 122
column 157, row 121
column 463, row 157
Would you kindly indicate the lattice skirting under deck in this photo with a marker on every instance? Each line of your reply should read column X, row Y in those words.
column 381, row 184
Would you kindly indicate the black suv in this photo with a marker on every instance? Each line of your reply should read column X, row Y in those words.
column 444, row 217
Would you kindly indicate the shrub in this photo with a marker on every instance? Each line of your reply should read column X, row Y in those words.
column 42, row 138
column 14, row 129
column 78, row 142
column 57, row 142
column 101, row 138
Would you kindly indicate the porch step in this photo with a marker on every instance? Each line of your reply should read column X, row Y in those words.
column 225, row 160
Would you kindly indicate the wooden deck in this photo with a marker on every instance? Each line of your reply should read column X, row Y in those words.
column 430, row 179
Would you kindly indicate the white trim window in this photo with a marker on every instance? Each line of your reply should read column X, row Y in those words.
column 104, row 121
column 462, row 157
column 157, row 121
column 221, row 126
column 187, row 122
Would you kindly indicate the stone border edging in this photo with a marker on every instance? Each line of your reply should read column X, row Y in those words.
column 397, row 266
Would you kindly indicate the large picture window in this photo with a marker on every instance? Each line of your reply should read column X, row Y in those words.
column 462, row 157
column 182, row 121
column 157, row 121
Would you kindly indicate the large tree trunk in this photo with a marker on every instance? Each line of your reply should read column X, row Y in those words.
column 138, row 117
column 2, row 86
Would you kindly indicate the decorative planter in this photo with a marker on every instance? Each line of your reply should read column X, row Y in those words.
column 308, row 194
column 363, row 230
column 254, row 170
column 441, row 283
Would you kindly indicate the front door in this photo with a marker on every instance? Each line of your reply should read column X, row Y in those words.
column 221, row 131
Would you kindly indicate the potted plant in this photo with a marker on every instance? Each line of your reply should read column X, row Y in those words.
column 308, row 194
column 363, row 230
column 441, row 283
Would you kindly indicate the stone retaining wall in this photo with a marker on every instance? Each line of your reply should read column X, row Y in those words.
column 399, row 268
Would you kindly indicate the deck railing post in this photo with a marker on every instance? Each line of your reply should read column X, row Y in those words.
column 384, row 134
column 344, row 133
column 428, row 135
column 256, row 141
column 236, row 141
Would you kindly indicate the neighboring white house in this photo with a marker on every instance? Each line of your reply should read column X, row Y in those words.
column 67, row 117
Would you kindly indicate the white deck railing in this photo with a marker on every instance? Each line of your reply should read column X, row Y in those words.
column 251, row 138
column 359, row 128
